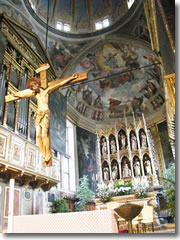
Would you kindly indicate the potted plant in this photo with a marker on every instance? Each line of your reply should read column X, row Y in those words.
column 84, row 194
column 59, row 206
column 169, row 189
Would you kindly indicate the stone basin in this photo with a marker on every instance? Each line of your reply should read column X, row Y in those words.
column 128, row 212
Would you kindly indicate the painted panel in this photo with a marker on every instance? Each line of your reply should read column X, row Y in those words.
column 27, row 202
column 31, row 158
column 39, row 203
column 57, row 104
column 87, row 156
column 17, row 151
column 3, row 143
column 16, row 202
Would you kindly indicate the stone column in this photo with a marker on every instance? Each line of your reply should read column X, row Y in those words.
column 75, row 156
column 99, row 158
column 44, row 202
column 34, row 201
column 129, row 152
column 11, row 205
column 155, row 180
column 118, row 155
column 158, row 151
column 109, row 161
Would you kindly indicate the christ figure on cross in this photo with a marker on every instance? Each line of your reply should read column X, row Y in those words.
column 40, row 89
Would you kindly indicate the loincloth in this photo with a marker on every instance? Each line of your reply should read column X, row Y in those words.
column 42, row 118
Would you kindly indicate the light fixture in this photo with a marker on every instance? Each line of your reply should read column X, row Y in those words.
column 130, row 3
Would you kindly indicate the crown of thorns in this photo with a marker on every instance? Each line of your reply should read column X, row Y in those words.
column 33, row 79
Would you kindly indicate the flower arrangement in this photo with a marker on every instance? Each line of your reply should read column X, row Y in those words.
column 140, row 187
column 105, row 192
column 122, row 188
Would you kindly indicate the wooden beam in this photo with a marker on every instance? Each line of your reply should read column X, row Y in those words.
column 48, row 186
column 17, row 175
column 40, row 183
column 4, row 168
column 26, row 181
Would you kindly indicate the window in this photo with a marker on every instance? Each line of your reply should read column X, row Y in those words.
column 32, row 5
column 106, row 22
column 66, row 27
column 102, row 24
column 59, row 25
column 63, row 27
column 68, row 161
column 130, row 3
column 66, row 173
column 99, row 25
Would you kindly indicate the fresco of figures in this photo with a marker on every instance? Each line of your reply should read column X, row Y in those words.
column 129, row 78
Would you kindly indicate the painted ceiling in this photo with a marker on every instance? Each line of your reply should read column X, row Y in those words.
column 123, row 76
column 81, row 15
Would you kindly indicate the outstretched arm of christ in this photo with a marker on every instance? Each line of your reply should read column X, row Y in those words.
column 76, row 77
column 18, row 95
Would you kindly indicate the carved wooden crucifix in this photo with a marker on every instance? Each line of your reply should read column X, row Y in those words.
column 40, row 89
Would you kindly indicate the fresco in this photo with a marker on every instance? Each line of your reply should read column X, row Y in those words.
column 87, row 156
column 19, row 17
column 63, row 10
column 61, row 52
column 57, row 104
column 82, row 16
column 121, row 77
column 140, row 30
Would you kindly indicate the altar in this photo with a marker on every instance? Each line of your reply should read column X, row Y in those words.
column 98, row 221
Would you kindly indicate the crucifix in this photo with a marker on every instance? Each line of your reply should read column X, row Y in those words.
column 40, row 89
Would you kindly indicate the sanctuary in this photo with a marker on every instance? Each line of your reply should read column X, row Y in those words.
column 87, row 116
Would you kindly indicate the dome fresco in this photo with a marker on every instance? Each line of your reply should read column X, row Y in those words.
column 122, row 76
column 80, row 16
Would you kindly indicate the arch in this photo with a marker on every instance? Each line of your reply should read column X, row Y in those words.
column 112, row 144
column 122, row 139
column 137, row 166
column 147, row 165
column 115, row 169
column 125, row 167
